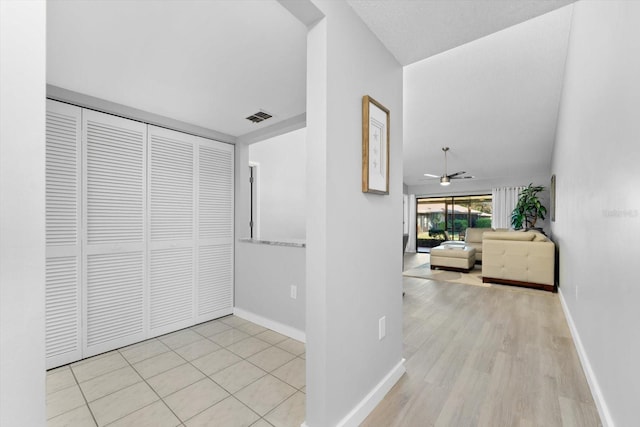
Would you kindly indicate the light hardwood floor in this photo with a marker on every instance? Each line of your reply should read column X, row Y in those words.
column 499, row 356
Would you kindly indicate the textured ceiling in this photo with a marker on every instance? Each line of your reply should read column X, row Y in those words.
column 413, row 30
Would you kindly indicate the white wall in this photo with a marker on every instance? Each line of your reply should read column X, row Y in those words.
column 263, row 273
column 264, row 276
column 282, row 185
column 598, row 218
column 22, row 198
column 354, row 261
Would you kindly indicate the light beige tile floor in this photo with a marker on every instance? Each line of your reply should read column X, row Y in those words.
column 227, row 372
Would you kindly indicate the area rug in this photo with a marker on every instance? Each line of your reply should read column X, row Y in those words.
column 474, row 277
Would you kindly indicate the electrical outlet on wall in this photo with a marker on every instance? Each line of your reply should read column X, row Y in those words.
column 294, row 291
column 382, row 327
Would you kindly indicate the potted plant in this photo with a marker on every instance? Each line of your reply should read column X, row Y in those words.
column 529, row 208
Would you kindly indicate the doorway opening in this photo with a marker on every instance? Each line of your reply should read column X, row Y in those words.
column 441, row 219
column 254, row 218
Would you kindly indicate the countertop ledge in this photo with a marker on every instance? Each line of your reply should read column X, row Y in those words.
column 291, row 243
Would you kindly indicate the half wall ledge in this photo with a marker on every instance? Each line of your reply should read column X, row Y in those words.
column 291, row 243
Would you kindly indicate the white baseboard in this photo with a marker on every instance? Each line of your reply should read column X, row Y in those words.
column 375, row 396
column 371, row 400
column 603, row 409
column 280, row 328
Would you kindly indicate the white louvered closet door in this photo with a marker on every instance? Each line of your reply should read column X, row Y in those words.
column 214, row 287
column 114, row 219
column 171, row 201
column 63, row 234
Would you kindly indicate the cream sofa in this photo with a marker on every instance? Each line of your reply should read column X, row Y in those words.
column 473, row 238
column 518, row 258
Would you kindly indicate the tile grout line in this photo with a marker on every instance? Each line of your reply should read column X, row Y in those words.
column 86, row 402
column 195, row 367
column 169, row 349
column 219, row 385
column 113, row 392
column 271, row 374
column 278, row 405
column 248, row 361
column 154, row 390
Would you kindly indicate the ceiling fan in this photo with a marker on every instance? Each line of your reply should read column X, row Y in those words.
column 445, row 179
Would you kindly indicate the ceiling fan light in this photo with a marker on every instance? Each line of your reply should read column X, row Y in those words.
column 444, row 180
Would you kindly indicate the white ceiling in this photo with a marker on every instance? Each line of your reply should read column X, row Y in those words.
column 208, row 63
column 493, row 101
column 212, row 63
column 414, row 30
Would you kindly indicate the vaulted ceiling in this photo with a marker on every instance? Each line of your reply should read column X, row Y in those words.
column 493, row 101
column 483, row 77
column 414, row 30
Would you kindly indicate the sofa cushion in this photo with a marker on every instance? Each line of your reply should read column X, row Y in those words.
column 524, row 236
column 540, row 238
column 474, row 235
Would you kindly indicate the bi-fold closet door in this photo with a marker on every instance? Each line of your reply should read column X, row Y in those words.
column 190, row 201
column 63, row 234
column 114, row 189
column 139, row 231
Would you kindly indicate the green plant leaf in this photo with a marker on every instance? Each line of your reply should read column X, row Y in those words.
column 528, row 208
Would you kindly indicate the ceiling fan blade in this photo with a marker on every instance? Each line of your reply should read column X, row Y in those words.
column 456, row 174
column 462, row 177
column 430, row 175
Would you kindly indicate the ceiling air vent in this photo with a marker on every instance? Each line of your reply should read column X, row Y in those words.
column 258, row 117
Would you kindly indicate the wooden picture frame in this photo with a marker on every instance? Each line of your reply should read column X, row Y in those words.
column 375, row 147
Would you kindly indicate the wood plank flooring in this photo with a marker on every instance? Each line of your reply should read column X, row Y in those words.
column 499, row 356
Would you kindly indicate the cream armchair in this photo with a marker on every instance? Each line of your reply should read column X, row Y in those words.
column 519, row 258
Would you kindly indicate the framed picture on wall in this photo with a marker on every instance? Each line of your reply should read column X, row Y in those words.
column 552, row 196
column 375, row 147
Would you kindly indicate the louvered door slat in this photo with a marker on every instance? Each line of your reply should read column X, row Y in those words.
column 170, row 185
column 62, row 172
column 62, row 308
column 215, row 230
column 171, row 204
column 215, row 192
column 63, row 204
column 215, row 279
column 115, row 179
column 171, row 292
column 114, row 297
column 115, row 215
